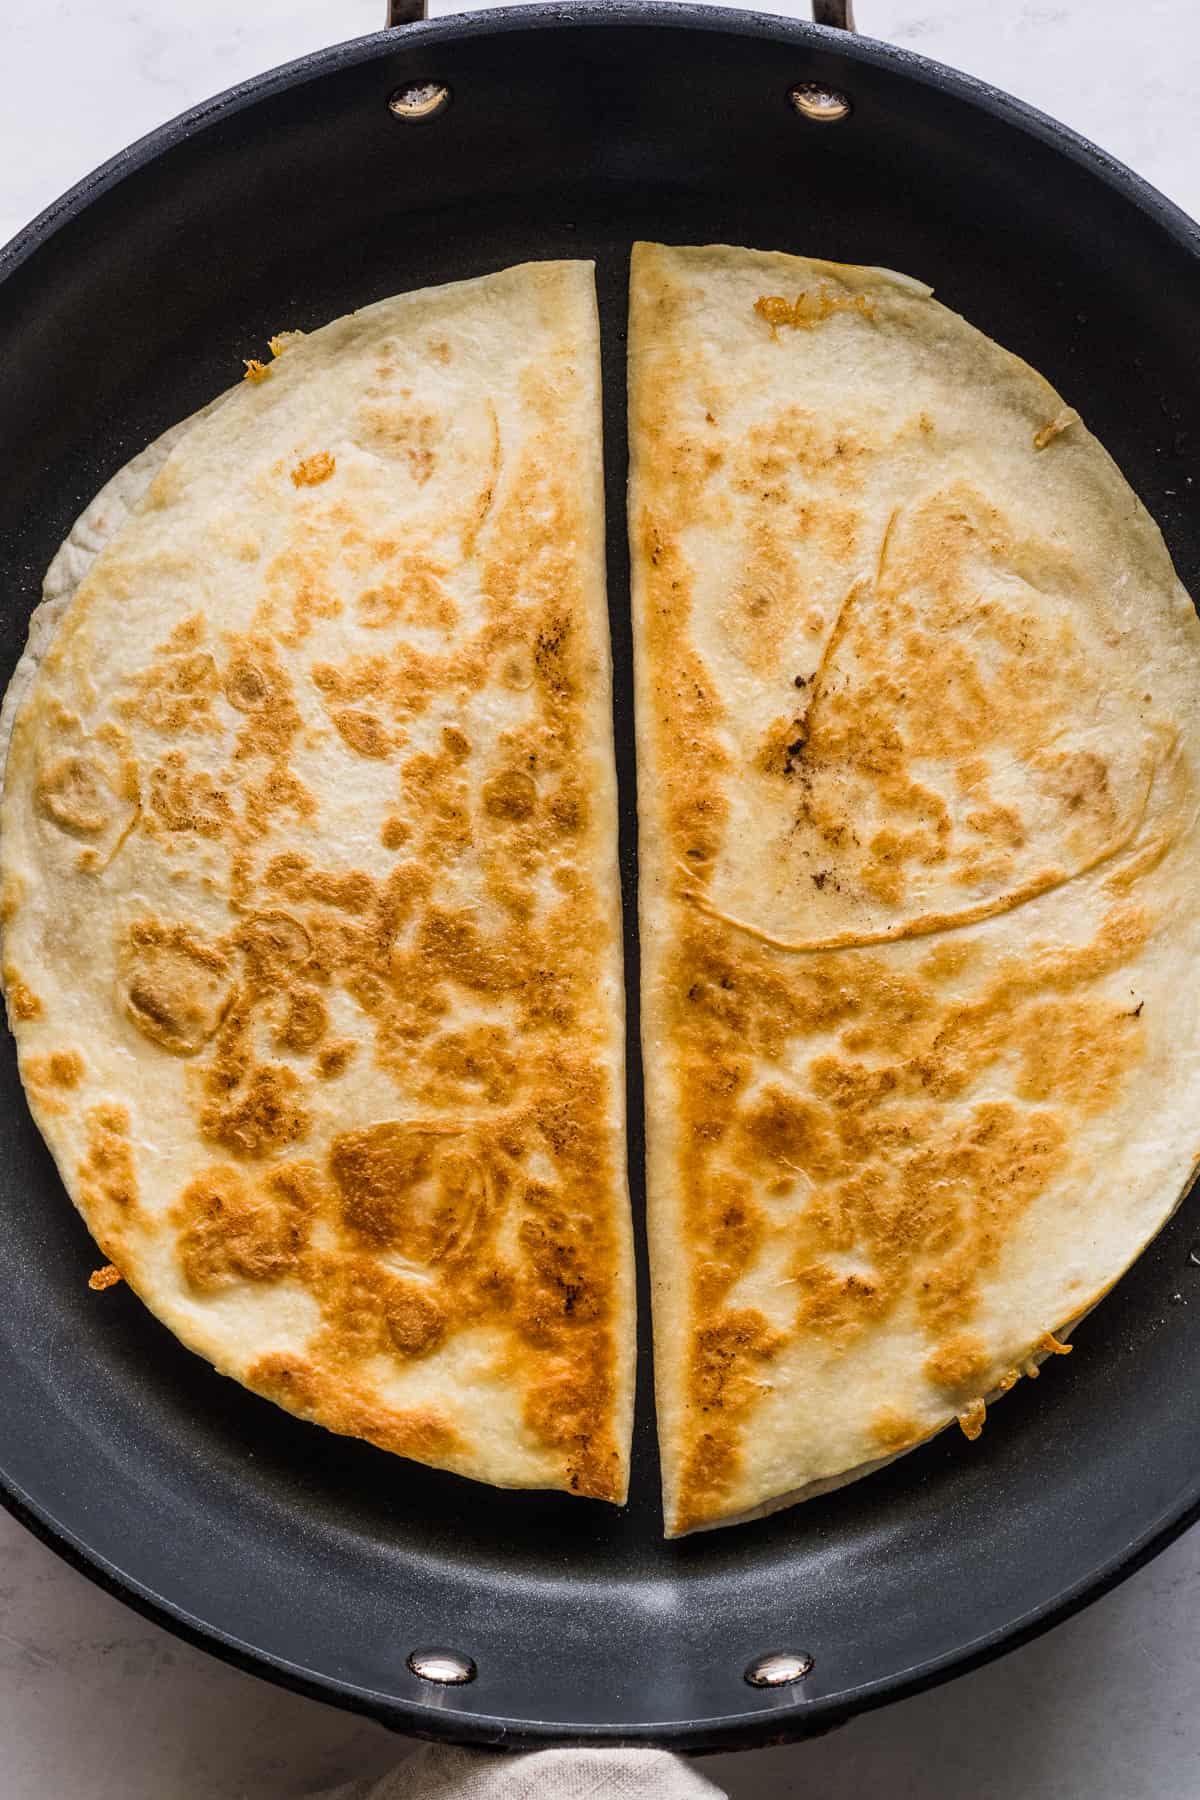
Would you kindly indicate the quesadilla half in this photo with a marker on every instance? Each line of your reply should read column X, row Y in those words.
column 311, row 920
column 920, row 911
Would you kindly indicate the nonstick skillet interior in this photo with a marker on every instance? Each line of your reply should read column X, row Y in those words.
column 324, row 1562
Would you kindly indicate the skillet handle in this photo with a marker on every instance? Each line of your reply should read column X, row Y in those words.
column 839, row 13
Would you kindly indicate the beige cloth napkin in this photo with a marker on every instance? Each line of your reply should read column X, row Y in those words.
column 437, row 1772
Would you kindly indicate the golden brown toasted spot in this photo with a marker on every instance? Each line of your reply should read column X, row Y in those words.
column 355, row 1411
column 999, row 823
column 175, row 693
column 228, row 1231
column 256, row 685
column 893, row 1431
column 948, row 959
column 851, row 1086
column 363, row 732
column 409, row 1188
column 277, row 790
column 792, row 1131
column 783, row 746
column 185, row 799
column 107, row 1277
column 829, row 1303
column 1131, row 869
column 413, row 594
column 23, row 1003
column 393, row 428
column 336, row 1058
column 719, row 1355
column 305, row 1024
column 1066, row 1058
column 245, row 686
column 273, row 943
column 351, row 1290
column 403, row 681
column 569, row 814
column 11, row 894
column 76, row 794
column 709, row 1472
column 308, row 602
column 395, row 833
column 173, row 985
column 297, row 588
column 1079, row 781
column 762, row 603
column 45, row 1078
column 728, row 1354
column 697, row 808
column 570, row 1410
column 352, row 890
column 65, row 1068
column 557, row 1282
column 833, row 528
column 241, row 886
column 510, row 795
column 516, row 669
column 107, row 1171
column 416, row 1323
column 564, row 1299
column 189, row 634
column 470, row 1068
column 311, row 471
column 960, row 1362
column 265, row 1115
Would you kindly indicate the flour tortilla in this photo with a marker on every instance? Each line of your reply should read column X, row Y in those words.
column 311, row 928
column 920, row 900
column 96, row 526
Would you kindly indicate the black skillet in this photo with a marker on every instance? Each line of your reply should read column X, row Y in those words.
column 570, row 131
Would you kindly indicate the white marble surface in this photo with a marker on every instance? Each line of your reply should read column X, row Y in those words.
column 96, row 1703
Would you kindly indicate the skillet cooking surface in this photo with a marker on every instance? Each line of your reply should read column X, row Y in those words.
column 322, row 1561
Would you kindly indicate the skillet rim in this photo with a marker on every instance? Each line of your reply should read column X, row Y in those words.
column 745, row 1730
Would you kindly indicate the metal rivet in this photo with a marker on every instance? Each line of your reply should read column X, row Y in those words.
column 822, row 104
column 1194, row 1256
column 419, row 100
column 446, row 1667
column 779, row 1668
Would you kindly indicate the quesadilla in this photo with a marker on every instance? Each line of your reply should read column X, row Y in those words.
column 920, row 910
column 311, row 919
